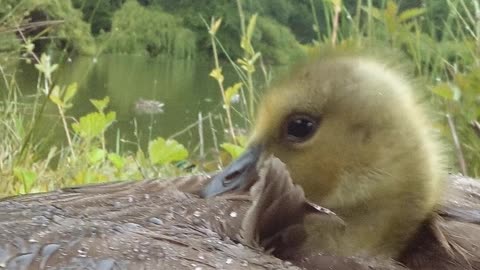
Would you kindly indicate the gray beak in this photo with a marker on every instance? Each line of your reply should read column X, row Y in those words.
column 239, row 175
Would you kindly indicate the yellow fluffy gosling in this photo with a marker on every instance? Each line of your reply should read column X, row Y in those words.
column 354, row 136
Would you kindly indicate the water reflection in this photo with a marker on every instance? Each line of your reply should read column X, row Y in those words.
column 183, row 86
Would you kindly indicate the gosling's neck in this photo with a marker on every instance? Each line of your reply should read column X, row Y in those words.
column 382, row 208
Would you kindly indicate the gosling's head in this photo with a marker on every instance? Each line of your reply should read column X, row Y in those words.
column 354, row 137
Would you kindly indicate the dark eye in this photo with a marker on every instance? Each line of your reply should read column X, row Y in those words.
column 300, row 128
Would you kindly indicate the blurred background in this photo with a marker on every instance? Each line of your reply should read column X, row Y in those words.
column 104, row 90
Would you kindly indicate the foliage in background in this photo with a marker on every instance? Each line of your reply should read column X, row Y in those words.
column 98, row 13
column 277, row 40
column 51, row 23
column 85, row 160
column 447, row 54
column 139, row 29
column 281, row 23
column 169, row 28
column 441, row 39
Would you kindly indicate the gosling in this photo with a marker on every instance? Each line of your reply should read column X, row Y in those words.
column 353, row 135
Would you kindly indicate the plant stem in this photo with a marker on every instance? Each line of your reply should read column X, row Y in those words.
column 214, row 136
column 200, row 135
column 369, row 20
column 242, row 17
column 315, row 20
column 335, row 22
column 251, row 95
column 65, row 127
column 220, row 84
column 458, row 147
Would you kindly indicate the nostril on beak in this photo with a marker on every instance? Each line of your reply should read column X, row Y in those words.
column 239, row 175
column 231, row 177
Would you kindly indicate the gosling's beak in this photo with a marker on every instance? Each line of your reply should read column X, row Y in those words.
column 239, row 175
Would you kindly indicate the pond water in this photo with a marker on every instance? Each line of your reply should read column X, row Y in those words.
column 185, row 88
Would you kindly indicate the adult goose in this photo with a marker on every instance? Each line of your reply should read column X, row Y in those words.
column 160, row 224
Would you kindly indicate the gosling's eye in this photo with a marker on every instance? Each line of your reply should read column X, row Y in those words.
column 300, row 128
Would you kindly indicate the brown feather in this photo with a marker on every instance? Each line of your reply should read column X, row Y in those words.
column 155, row 224
column 450, row 240
column 128, row 225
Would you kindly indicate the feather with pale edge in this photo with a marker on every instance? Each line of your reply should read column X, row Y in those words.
column 157, row 224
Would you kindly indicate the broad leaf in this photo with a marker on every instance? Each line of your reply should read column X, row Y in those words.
column 27, row 179
column 234, row 150
column 443, row 90
column 117, row 160
column 93, row 124
column 163, row 151
column 100, row 104
column 96, row 155
column 70, row 92
column 55, row 96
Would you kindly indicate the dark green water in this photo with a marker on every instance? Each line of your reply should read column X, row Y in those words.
column 184, row 87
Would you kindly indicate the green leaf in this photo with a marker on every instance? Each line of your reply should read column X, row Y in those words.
column 443, row 90
column 255, row 57
column 230, row 92
column 246, row 45
column 70, row 92
column 141, row 159
column 93, row 124
column 234, row 150
column 29, row 46
column 26, row 177
column 246, row 65
column 45, row 66
column 374, row 12
column 246, row 42
column 96, row 155
column 215, row 26
column 390, row 17
column 117, row 160
column 457, row 93
column 62, row 97
column 55, row 96
column 411, row 13
column 110, row 117
column 337, row 3
column 251, row 26
column 88, row 177
column 100, row 104
column 242, row 140
column 217, row 75
column 163, row 151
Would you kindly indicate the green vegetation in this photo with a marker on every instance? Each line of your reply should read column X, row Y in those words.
column 38, row 19
column 86, row 159
column 441, row 40
column 98, row 13
column 137, row 29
